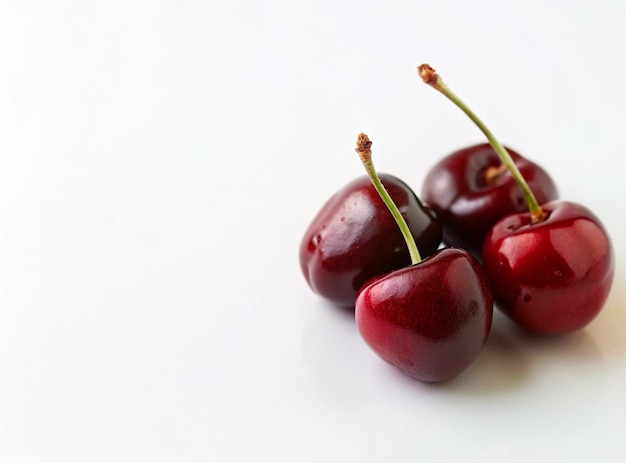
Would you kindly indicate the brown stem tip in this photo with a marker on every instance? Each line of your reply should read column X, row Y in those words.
column 493, row 173
column 363, row 147
column 428, row 74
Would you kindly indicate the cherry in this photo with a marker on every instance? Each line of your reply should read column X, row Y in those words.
column 432, row 318
column 551, row 268
column 353, row 238
column 470, row 190
column 552, row 276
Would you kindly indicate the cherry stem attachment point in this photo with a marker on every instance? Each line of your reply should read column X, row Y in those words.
column 430, row 77
column 364, row 150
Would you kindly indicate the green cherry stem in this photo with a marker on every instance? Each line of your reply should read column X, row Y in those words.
column 430, row 77
column 364, row 149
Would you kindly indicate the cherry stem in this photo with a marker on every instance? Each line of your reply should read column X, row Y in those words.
column 364, row 149
column 430, row 77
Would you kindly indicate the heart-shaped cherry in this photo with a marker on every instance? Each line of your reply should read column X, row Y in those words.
column 353, row 238
column 551, row 268
column 430, row 319
column 470, row 190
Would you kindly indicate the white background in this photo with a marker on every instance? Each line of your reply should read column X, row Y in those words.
column 159, row 162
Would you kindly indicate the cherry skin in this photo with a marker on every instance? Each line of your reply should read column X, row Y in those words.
column 469, row 193
column 353, row 238
column 553, row 276
column 431, row 319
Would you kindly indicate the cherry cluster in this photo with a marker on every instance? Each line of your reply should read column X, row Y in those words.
column 427, row 307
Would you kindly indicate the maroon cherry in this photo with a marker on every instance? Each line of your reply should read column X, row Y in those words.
column 430, row 319
column 353, row 238
column 470, row 190
column 551, row 268
column 552, row 276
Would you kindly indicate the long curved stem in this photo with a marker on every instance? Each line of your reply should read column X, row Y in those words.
column 430, row 77
column 363, row 148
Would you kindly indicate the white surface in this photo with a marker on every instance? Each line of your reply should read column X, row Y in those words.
column 159, row 163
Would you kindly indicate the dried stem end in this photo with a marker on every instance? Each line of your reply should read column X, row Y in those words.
column 428, row 75
column 364, row 147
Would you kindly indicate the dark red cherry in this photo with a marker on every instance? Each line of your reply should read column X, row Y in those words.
column 431, row 319
column 354, row 238
column 553, row 276
column 470, row 190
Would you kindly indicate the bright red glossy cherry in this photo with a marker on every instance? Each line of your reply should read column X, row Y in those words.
column 470, row 190
column 553, row 276
column 353, row 238
column 431, row 319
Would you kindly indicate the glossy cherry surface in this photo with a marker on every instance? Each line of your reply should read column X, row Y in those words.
column 354, row 238
column 431, row 319
column 553, row 276
column 469, row 201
